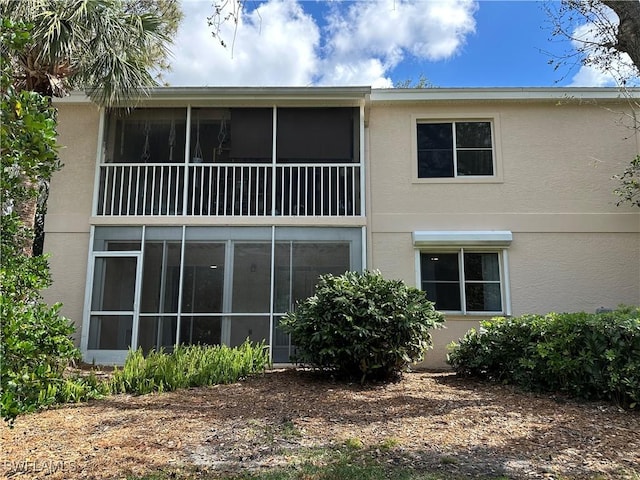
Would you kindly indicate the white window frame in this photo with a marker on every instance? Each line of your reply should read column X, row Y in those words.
column 494, row 121
column 462, row 242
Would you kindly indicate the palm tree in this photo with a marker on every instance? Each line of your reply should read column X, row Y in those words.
column 108, row 48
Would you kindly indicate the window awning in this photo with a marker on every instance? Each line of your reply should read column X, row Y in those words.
column 494, row 238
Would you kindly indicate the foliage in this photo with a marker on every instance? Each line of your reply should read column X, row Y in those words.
column 35, row 346
column 188, row 366
column 629, row 188
column 361, row 325
column 108, row 47
column 603, row 34
column 591, row 356
column 422, row 82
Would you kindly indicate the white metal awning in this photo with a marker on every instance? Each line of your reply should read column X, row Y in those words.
column 494, row 238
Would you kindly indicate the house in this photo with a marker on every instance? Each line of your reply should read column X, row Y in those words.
column 206, row 213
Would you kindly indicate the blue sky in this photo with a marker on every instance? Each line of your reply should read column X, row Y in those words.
column 453, row 43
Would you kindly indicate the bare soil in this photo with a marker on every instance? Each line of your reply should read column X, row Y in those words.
column 427, row 421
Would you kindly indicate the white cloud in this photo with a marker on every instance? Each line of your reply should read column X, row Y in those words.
column 278, row 43
column 274, row 45
column 599, row 73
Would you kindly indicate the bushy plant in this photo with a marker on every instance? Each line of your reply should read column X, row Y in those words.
column 591, row 356
column 360, row 325
column 188, row 366
column 35, row 343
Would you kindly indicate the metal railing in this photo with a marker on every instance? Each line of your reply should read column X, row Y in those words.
column 230, row 189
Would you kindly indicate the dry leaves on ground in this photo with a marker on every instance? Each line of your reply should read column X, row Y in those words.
column 429, row 421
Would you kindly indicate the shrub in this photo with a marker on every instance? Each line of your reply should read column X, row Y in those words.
column 188, row 366
column 591, row 356
column 360, row 325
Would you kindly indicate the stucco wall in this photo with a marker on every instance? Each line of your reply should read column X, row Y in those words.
column 69, row 208
column 572, row 248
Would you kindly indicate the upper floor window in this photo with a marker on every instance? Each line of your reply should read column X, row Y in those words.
column 455, row 149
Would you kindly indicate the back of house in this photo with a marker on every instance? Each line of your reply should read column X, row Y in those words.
column 205, row 214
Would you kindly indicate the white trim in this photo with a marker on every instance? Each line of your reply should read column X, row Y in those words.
column 99, row 160
column 492, row 238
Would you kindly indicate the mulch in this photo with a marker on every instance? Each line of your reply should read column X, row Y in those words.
column 427, row 421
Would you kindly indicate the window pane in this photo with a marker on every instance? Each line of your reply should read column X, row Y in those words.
column 158, row 284
column 200, row 330
column 109, row 332
column 483, row 297
column 435, row 164
column 255, row 329
column 481, row 266
column 155, row 333
column 446, row 296
column 435, row 136
column 475, row 162
column 114, row 282
column 439, row 267
column 251, row 277
column 473, row 134
column 203, row 277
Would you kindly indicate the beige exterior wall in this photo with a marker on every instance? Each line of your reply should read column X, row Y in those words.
column 572, row 248
column 69, row 208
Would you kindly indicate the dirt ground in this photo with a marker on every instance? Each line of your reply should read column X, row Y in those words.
column 430, row 421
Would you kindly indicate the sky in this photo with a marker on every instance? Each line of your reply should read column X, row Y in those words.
column 378, row 43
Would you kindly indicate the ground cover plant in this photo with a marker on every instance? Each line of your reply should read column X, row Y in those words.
column 188, row 366
column 363, row 326
column 591, row 356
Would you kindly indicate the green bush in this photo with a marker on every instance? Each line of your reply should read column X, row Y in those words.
column 360, row 325
column 591, row 356
column 188, row 366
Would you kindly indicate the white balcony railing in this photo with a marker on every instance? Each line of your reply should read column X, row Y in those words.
column 230, row 189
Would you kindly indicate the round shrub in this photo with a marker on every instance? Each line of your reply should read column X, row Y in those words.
column 360, row 325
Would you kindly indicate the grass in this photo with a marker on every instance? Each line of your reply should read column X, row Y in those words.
column 349, row 461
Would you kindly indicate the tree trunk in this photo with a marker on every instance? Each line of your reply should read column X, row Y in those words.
column 628, row 37
column 26, row 210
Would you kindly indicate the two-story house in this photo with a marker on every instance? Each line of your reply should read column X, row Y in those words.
column 204, row 214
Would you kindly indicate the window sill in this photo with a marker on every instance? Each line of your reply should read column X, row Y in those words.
column 487, row 179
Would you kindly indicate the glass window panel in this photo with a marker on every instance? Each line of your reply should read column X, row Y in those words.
column 473, row 134
column 281, row 349
column 475, row 162
column 104, row 237
column 155, row 333
column 435, row 136
column 256, row 329
column 160, row 277
column 114, row 282
column 483, row 297
column 200, row 330
column 310, row 260
column 481, row 266
column 116, row 246
column 251, row 277
column 439, row 267
column 446, row 296
column 435, row 164
column 110, row 332
column 203, row 280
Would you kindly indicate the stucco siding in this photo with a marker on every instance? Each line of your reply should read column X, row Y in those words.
column 69, row 209
column 551, row 158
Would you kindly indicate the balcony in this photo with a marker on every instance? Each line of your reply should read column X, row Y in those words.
column 230, row 189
